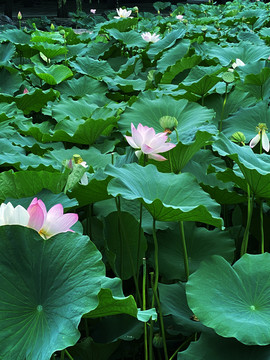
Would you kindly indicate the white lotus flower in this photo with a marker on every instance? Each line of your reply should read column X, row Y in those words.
column 13, row 216
column 147, row 36
column 123, row 13
column 261, row 128
column 237, row 63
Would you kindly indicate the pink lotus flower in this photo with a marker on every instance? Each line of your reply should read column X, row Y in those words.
column 148, row 142
column 49, row 223
column 123, row 13
column 261, row 136
column 180, row 17
column 147, row 36
column 25, row 91
column 93, row 11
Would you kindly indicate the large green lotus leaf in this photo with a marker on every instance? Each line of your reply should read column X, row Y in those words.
column 8, row 111
column 50, row 50
column 53, row 37
column 222, row 192
column 168, row 197
column 94, row 68
column 113, row 302
column 96, row 190
column 122, row 24
column 258, row 79
column 7, row 51
column 212, row 347
column 122, row 232
column 174, row 302
column 126, row 85
column 79, row 109
column 33, row 101
column 49, row 199
column 15, row 36
column 254, row 167
column 246, row 120
column 235, row 100
column 234, row 301
column 9, row 82
column 170, row 57
column 227, row 55
column 179, row 66
column 156, row 49
column 129, row 38
column 78, row 88
column 54, row 74
column 74, row 131
column 201, row 244
column 148, row 112
column 46, row 286
column 93, row 157
column 28, row 183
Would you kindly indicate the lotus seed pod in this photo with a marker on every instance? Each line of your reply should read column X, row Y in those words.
column 168, row 122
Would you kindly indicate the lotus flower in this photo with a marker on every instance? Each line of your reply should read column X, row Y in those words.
column 261, row 135
column 147, row 36
column 237, row 63
column 25, row 91
column 148, row 142
column 13, row 216
column 49, row 223
column 123, row 13
column 180, row 17
column 93, row 11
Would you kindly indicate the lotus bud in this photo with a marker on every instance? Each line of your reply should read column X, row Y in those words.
column 135, row 9
column 19, row 16
column 158, row 341
column 77, row 159
column 239, row 138
column 168, row 123
column 52, row 27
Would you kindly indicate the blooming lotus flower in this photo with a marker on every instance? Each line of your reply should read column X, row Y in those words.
column 13, row 216
column 237, row 63
column 262, row 128
column 180, row 17
column 147, row 36
column 52, row 222
column 148, row 142
column 123, row 13
column 93, row 11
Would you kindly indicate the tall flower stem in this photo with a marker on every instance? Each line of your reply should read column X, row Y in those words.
column 183, row 239
column 262, row 231
column 249, row 216
column 144, row 308
column 68, row 355
column 180, row 347
column 161, row 322
column 223, row 108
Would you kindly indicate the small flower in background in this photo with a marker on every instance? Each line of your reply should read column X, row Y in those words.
column 19, row 16
column 261, row 128
column 180, row 17
column 52, row 222
column 148, row 142
column 237, row 63
column 25, row 91
column 93, row 11
column 13, row 216
column 122, row 13
column 147, row 36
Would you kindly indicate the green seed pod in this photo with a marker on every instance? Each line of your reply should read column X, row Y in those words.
column 168, row 122
column 157, row 341
column 238, row 137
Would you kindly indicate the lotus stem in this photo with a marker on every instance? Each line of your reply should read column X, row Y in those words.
column 144, row 308
column 223, row 108
column 183, row 239
column 161, row 322
column 249, row 216
column 180, row 347
column 262, row 231
column 156, row 261
column 68, row 355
